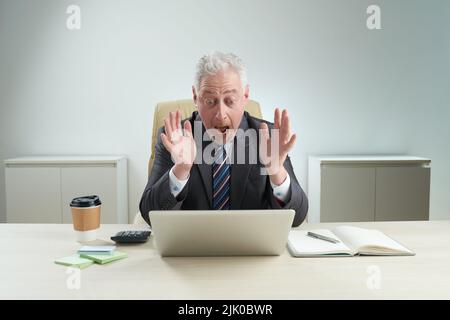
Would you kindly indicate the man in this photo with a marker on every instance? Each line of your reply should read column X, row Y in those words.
column 184, row 178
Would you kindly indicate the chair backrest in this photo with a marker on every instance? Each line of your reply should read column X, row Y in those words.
column 186, row 107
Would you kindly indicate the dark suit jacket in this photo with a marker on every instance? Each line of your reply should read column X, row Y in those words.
column 249, row 189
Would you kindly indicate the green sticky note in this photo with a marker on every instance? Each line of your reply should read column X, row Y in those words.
column 103, row 259
column 74, row 261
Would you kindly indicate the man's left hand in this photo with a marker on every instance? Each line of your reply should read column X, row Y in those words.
column 272, row 157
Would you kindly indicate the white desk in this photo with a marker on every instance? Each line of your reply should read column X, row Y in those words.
column 27, row 269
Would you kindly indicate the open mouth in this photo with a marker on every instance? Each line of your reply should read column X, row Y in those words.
column 222, row 129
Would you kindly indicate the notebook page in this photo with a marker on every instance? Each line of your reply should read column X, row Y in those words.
column 303, row 245
column 368, row 240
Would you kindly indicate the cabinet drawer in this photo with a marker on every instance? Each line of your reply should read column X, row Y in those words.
column 33, row 195
column 348, row 193
column 402, row 193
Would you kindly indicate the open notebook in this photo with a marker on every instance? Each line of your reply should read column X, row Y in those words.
column 353, row 241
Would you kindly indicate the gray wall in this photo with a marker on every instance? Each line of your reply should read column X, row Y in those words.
column 349, row 90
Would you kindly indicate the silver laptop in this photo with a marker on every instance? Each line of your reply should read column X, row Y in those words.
column 221, row 233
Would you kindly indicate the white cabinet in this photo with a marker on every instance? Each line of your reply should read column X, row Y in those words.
column 39, row 189
column 368, row 188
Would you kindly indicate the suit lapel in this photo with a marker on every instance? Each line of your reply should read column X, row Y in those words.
column 239, row 180
column 203, row 168
column 206, row 174
column 239, row 172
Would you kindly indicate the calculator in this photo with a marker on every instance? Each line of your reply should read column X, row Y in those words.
column 131, row 236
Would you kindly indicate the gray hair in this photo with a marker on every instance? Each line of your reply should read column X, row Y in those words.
column 216, row 61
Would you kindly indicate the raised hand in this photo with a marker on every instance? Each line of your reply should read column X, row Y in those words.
column 180, row 143
column 274, row 149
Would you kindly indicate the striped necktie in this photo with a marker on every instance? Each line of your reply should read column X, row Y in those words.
column 221, row 180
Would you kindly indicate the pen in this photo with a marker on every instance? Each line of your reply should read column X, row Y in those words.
column 321, row 237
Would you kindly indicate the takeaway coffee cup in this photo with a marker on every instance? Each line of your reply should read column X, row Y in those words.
column 86, row 217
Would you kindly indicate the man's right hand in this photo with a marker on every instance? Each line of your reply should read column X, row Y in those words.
column 181, row 145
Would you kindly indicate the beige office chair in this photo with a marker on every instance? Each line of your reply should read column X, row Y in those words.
column 186, row 106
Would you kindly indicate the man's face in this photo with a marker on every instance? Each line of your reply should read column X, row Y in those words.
column 220, row 103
